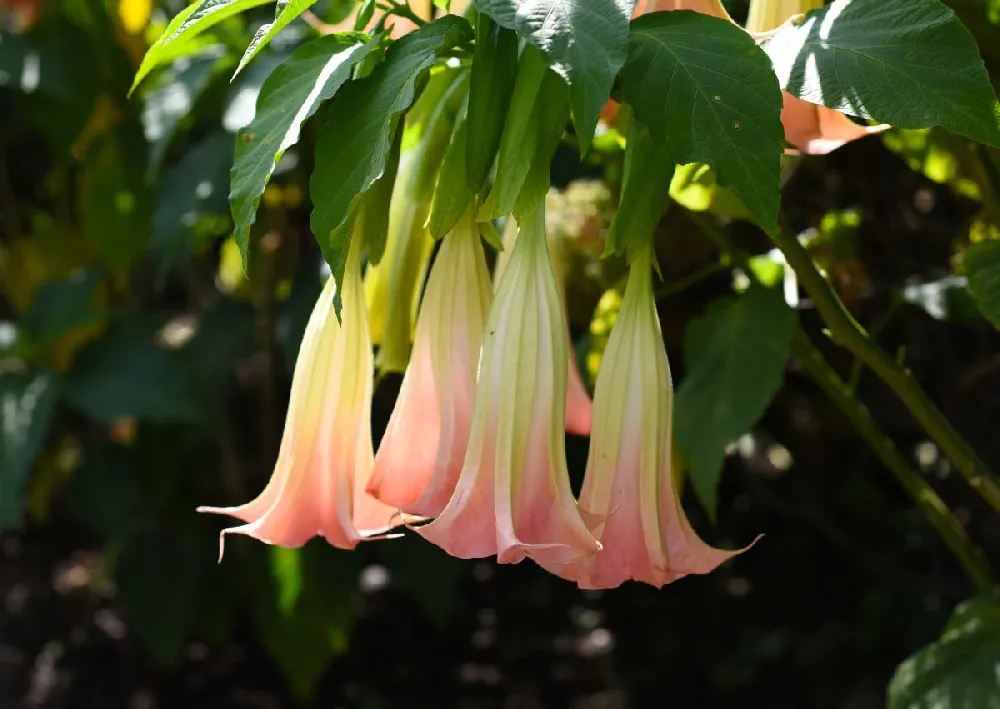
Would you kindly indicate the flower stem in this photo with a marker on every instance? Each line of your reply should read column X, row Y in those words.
column 968, row 554
column 848, row 333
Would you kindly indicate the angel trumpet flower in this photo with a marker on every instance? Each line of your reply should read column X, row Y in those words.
column 579, row 409
column 421, row 455
column 628, row 494
column 513, row 497
column 325, row 458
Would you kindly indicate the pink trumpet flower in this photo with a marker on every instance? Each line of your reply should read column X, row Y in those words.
column 579, row 409
column 421, row 455
column 326, row 457
column 513, row 497
column 628, row 494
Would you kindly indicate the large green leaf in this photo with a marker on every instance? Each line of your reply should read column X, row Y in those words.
column 910, row 63
column 27, row 402
column 125, row 374
column 185, row 27
column 961, row 670
column 583, row 40
column 536, row 118
column 707, row 93
column 494, row 68
column 284, row 13
column 289, row 96
column 982, row 267
column 353, row 148
column 735, row 356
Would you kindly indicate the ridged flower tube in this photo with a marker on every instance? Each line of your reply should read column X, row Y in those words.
column 513, row 497
column 326, row 458
column 628, row 493
column 420, row 458
column 579, row 409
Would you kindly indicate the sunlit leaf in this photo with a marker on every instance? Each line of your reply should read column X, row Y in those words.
column 177, row 38
column 707, row 93
column 910, row 63
column 289, row 96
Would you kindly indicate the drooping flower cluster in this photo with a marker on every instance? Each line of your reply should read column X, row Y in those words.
column 473, row 457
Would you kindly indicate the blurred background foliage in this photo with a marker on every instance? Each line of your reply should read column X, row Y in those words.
column 142, row 374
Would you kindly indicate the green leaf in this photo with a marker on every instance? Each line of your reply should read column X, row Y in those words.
column 159, row 577
column 27, row 404
column 304, row 610
column 353, row 148
column 583, row 40
column 910, row 63
column 982, row 267
column 364, row 15
column 452, row 195
column 735, row 355
column 126, row 374
column 284, row 12
column 494, row 67
column 184, row 28
column 59, row 306
column 373, row 208
column 289, row 96
column 707, row 93
column 961, row 670
column 648, row 172
column 539, row 108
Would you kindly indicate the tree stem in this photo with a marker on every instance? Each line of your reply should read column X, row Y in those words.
column 965, row 550
column 848, row 333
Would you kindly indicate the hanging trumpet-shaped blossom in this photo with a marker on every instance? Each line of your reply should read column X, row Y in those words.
column 513, row 497
column 325, row 458
column 579, row 409
column 628, row 493
column 421, row 454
